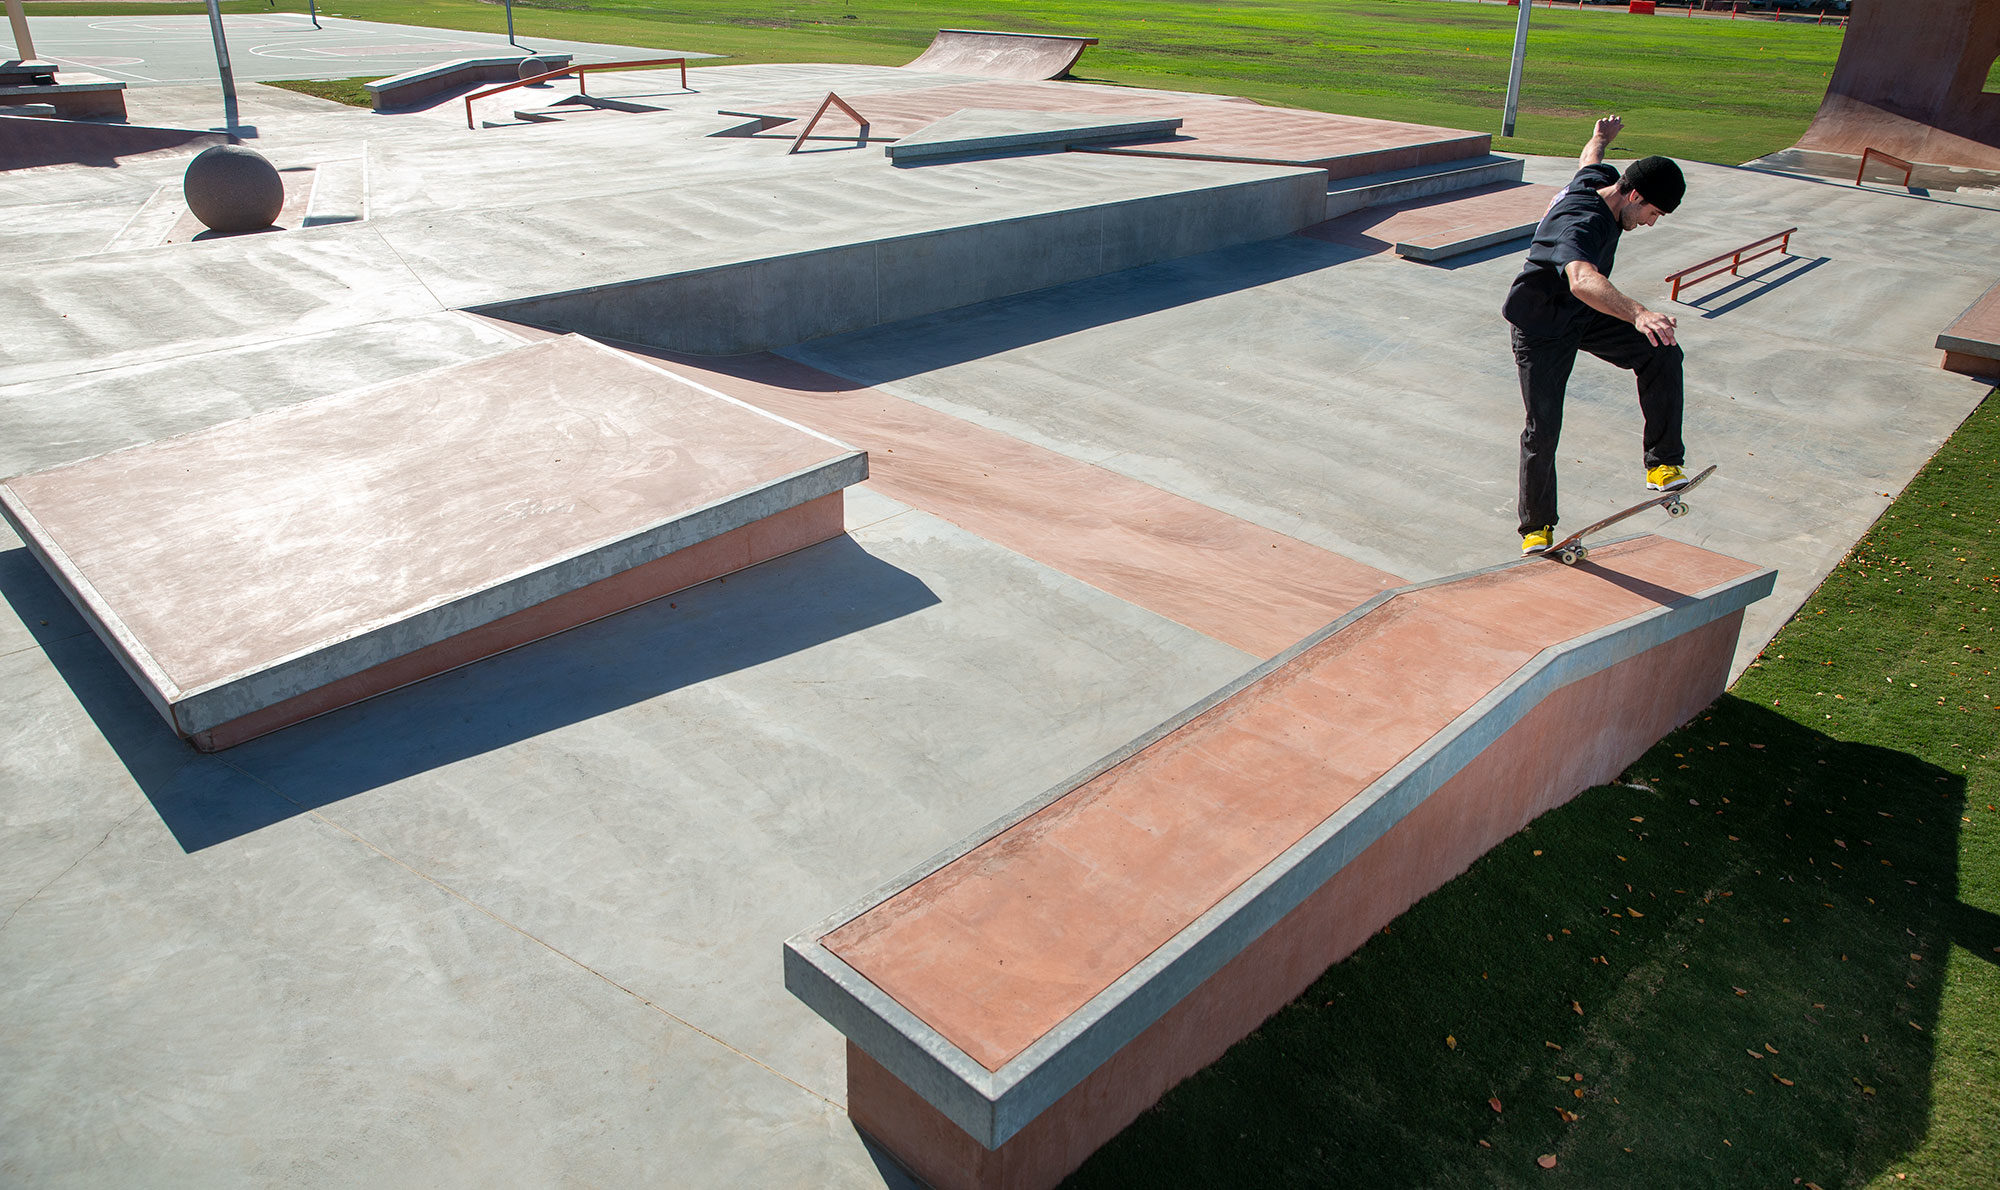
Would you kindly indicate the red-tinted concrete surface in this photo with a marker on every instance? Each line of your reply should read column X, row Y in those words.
column 1436, row 222
column 1583, row 735
column 1911, row 81
column 1222, row 130
column 1000, row 946
column 1002, row 55
column 1242, row 584
column 1971, row 344
column 215, row 557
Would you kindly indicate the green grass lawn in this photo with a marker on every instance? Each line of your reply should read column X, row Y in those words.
column 1770, row 952
column 1708, row 90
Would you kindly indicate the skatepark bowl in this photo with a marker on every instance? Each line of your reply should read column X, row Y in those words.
column 1060, row 543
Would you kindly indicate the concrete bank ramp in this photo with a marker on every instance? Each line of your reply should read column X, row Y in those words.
column 1016, row 1001
column 1001, row 55
column 1911, row 81
column 28, row 141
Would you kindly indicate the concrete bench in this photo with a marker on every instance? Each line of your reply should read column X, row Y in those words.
column 1014, row 1003
column 1971, row 344
column 413, row 87
column 78, row 97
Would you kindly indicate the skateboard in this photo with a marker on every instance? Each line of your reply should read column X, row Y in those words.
column 1571, row 550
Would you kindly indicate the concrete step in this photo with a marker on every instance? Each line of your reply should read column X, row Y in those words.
column 1352, row 194
column 570, row 109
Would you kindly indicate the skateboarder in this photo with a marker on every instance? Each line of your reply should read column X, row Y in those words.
column 1564, row 301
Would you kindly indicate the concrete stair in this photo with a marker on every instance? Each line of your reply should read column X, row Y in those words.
column 1353, row 194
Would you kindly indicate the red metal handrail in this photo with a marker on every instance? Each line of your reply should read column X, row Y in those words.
column 1735, row 260
column 1896, row 162
column 578, row 70
column 831, row 100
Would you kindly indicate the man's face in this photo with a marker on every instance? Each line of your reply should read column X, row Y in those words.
column 1638, row 213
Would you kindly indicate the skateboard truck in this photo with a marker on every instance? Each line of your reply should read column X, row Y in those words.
column 1571, row 550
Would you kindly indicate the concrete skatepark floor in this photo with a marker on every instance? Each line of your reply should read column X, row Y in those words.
column 521, row 923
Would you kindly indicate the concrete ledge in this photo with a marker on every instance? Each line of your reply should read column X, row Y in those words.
column 1403, row 185
column 269, row 569
column 757, row 305
column 1975, row 333
column 991, row 1100
column 413, row 87
column 977, row 130
column 82, row 97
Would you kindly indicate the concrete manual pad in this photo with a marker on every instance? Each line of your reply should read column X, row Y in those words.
column 1975, row 332
column 272, row 568
column 987, row 130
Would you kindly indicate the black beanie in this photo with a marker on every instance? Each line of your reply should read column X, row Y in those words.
column 1658, row 181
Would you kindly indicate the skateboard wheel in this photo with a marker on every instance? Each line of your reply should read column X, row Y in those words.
column 1677, row 508
column 1568, row 557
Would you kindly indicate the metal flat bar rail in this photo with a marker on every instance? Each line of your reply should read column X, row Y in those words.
column 1736, row 259
column 1897, row 162
column 577, row 69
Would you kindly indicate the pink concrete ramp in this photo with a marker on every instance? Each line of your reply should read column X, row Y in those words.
column 1015, row 1002
column 273, row 568
column 1911, row 81
column 1001, row 55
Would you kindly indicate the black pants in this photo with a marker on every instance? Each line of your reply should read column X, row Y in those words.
column 1545, row 363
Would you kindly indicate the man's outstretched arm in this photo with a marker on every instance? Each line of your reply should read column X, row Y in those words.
column 1595, row 290
column 1600, row 140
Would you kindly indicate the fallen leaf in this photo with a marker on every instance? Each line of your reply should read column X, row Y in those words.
column 1787, row 1082
column 1484, row 1145
column 1494, row 1104
column 1635, row 819
column 1633, row 913
column 1552, row 1045
column 1767, row 1045
column 1739, row 991
column 1546, row 1161
column 1755, row 1054
column 1576, row 1008
column 1450, row 1042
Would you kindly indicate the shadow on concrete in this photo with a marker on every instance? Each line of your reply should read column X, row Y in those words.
column 781, row 607
column 957, row 336
column 1755, row 285
column 1766, row 1016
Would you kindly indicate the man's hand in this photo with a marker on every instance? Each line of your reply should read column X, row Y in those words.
column 1658, row 328
column 1601, row 136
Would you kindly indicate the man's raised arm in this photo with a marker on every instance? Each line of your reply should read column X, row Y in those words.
column 1600, row 140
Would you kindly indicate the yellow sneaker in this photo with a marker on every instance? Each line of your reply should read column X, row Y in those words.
column 1665, row 478
column 1538, row 540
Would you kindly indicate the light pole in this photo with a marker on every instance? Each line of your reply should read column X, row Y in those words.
column 222, row 65
column 24, row 45
column 1514, row 74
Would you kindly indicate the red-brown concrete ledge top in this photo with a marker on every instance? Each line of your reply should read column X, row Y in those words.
column 999, row 946
column 222, row 553
column 1220, row 128
column 1977, row 331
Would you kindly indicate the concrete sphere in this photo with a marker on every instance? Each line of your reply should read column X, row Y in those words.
column 233, row 188
column 530, row 67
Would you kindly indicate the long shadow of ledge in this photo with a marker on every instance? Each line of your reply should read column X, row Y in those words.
column 780, row 607
column 1754, row 929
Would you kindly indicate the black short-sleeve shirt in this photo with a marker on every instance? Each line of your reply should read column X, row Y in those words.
column 1578, row 226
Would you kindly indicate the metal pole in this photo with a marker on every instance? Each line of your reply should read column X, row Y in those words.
column 510, row 22
column 312, row 10
column 1514, row 74
column 222, row 65
column 24, row 45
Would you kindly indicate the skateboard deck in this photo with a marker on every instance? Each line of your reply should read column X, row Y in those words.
column 1571, row 550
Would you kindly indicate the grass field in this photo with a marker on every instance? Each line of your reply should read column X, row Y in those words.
column 1710, row 90
column 1769, row 955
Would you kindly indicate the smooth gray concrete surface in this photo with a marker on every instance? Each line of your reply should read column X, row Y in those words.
column 992, row 130
column 522, row 923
